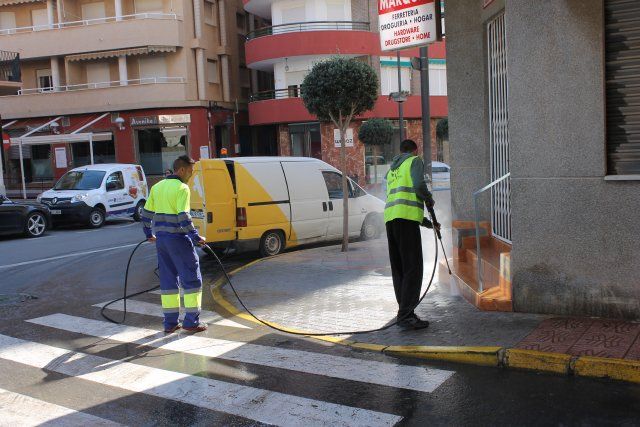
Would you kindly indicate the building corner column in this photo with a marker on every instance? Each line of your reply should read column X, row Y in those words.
column 55, row 73
column 118, row 9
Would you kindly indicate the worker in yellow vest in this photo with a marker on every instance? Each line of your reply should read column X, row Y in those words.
column 407, row 195
column 167, row 222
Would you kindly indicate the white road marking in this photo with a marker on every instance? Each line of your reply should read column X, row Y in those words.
column 21, row 410
column 367, row 371
column 260, row 405
column 35, row 261
column 155, row 310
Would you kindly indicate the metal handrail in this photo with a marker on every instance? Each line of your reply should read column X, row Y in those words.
column 87, row 22
column 101, row 85
column 297, row 27
column 276, row 94
column 477, row 224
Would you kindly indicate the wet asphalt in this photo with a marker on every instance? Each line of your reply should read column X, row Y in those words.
column 35, row 281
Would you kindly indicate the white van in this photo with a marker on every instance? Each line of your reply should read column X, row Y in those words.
column 275, row 202
column 91, row 194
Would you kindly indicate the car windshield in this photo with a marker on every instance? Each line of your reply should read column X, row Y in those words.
column 80, row 180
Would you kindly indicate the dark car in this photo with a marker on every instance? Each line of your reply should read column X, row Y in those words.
column 32, row 219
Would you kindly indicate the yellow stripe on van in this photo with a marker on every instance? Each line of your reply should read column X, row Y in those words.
column 261, row 217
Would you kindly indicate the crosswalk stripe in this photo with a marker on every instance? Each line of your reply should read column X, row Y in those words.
column 21, row 410
column 368, row 371
column 155, row 310
column 260, row 405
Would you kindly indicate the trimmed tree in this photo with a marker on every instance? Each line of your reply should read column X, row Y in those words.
column 376, row 132
column 337, row 90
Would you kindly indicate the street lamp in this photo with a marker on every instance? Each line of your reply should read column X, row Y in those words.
column 119, row 123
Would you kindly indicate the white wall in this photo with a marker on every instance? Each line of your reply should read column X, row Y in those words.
column 284, row 12
column 298, row 69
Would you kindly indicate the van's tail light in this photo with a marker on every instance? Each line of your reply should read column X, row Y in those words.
column 241, row 217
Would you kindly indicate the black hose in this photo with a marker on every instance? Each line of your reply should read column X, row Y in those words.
column 321, row 334
column 125, row 296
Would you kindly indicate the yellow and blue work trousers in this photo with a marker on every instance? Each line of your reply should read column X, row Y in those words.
column 179, row 265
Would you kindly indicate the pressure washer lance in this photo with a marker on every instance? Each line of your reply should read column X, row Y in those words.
column 437, row 236
column 437, row 230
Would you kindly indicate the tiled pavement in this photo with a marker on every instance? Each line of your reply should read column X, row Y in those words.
column 324, row 290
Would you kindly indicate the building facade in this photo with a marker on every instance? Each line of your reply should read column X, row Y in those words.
column 146, row 80
column 543, row 105
column 303, row 32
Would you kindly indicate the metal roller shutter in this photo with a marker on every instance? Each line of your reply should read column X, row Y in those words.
column 622, row 19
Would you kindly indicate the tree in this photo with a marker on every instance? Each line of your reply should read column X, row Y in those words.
column 376, row 132
column 337, row 90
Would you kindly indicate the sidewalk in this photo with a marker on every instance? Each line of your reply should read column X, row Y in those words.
column 324, row 290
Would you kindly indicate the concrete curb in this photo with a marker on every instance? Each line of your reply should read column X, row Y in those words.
column 512, row 358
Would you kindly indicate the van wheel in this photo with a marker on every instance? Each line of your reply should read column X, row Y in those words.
column 272, row 243
column 371, row 228
column 96, row 218
column 137, row 214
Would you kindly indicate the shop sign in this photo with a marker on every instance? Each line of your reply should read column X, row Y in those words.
column 408, row 23
column 174, row 118
column 144, row 121
column 204, row 152
column 348, row 138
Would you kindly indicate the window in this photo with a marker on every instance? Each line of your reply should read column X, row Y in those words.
column 98, row 74
column 149, row 6
column 210, row 13
column 159, row 147
column 438, row 80
column 389, row 76
column 41, row 162
column 306, row 140
column 213, row 73
column 7, row 20
column 94, row 11
column 241, row 22
column 39, row 19
column 103, row 152
column 45, row 81
column 293, row 91
column 335, row 11
column 153, row 66
column 80, row 180
column 333, row 180
column 115, row 181
column 622, row 20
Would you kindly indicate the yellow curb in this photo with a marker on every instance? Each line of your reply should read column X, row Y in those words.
column 600, row 367
column 538, row 361
column 596, row 367
column 484, row 356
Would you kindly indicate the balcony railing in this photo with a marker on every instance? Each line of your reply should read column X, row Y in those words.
column 309, row 26
column 291, row 92
column 101, row 85
column 9, row 66
column 87, row 22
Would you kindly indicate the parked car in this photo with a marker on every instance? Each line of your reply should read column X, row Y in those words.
column 441, row 175
column 269, row 203
column 30, row 218
column 92, row 194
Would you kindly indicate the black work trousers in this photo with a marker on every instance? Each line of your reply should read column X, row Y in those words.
column 405, row 253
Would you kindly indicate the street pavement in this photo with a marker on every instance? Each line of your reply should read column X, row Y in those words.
column 62, row 364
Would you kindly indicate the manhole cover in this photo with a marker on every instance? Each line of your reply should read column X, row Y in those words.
column 8, row 299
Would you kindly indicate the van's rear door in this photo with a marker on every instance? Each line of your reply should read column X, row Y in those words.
column 213, row 203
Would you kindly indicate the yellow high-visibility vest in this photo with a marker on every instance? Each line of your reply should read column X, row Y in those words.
column 402, row 200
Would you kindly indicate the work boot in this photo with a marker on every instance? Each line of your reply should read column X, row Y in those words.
column 200, row 327
column 413, row 322
column 172, row 329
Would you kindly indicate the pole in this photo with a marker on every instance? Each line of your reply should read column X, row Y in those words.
column 24, row 184
column 400, row 106
column 426, row 113
column 91, row 147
